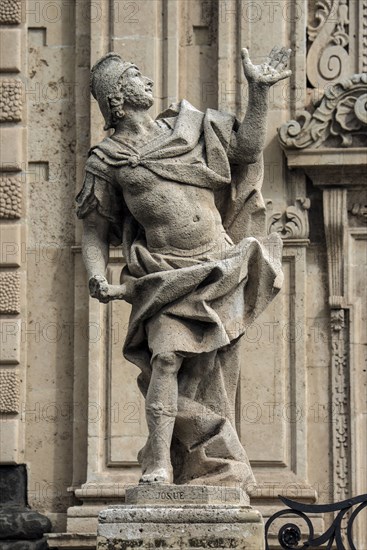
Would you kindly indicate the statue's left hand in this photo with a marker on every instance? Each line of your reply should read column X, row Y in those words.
column 104, row 292
column 269, row 72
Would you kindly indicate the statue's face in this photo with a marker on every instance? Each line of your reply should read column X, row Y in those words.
column 137, row 89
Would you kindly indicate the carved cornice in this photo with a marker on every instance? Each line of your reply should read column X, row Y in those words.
column 291, row 223
column 339, row 121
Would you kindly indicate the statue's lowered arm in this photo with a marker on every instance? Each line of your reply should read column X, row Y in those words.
column 248, row 142
column 95, row 255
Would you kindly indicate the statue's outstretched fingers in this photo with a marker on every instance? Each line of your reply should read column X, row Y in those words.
column 270, row 56
column 285, row 74
column 284, row 60
column 275, row 56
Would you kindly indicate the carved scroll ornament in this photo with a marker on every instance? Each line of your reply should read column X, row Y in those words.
column 328, row 57
column 293, row 222
column 339, row 120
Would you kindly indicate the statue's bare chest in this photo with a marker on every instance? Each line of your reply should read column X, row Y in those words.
column 135, row 181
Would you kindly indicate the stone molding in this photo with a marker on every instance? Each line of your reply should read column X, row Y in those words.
column 339, row 121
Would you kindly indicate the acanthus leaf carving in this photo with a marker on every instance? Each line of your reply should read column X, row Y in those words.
column 293, row 222
column 337, row 320
column 322, row 12
column 339, row 120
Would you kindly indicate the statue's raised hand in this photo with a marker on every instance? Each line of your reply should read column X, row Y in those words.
column 271, row 71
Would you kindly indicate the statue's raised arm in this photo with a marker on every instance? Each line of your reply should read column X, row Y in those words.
column 248, row 142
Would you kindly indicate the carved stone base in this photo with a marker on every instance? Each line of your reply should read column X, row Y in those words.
column 171, row 495
column 170, row 521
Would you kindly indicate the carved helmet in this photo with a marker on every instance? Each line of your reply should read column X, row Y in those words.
column 105, row 82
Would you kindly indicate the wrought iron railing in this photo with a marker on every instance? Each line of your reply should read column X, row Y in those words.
column 339, row 532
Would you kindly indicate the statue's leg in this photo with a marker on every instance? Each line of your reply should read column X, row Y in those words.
column 161, row 411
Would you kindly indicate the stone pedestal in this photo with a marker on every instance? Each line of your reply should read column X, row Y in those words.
column 181, row 517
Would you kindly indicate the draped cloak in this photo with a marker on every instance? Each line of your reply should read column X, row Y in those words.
column 195, row 303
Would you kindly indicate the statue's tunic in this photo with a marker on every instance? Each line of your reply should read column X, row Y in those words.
column 195, row 303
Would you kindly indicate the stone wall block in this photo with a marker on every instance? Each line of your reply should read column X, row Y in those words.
column 10, row 341
column 10, row 100
column 10, row 12
column 10, row 245
column 9, row 446
column 9, row 391
column 9, row 293
column 12, row 149
column 10, row 197
column 10, row 51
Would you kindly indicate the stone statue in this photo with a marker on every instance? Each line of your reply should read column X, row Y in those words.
column 182, row 193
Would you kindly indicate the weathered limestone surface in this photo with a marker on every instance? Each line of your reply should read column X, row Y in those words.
column 182, row 528
column 184, row 517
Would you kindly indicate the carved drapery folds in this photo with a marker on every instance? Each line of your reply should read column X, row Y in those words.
column 329, row 39
column 339, row 120
column 291, row 223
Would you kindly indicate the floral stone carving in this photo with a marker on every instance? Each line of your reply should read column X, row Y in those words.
column 340, row 120
column 293, row 222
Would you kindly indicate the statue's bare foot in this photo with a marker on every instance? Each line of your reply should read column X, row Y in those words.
column 157, row 475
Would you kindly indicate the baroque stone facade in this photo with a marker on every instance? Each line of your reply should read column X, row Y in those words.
column 71, row 410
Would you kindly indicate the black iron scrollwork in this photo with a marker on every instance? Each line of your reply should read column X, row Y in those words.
column 290, row 536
